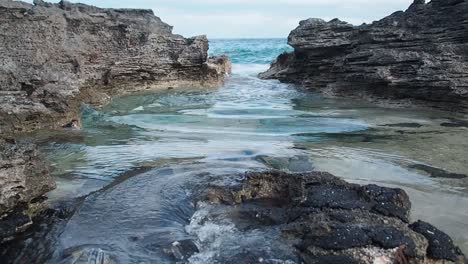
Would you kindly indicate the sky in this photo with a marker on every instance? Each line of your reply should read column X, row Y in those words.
column 254, row 18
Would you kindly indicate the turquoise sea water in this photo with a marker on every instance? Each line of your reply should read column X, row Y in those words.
column 189, row 138
column 250, row 51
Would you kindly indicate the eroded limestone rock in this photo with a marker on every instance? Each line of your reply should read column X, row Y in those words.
column 24, row 179
column 420, row 55
column 53, row 57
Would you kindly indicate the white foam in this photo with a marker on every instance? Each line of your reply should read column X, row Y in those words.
column 138, row 109
column 249, row 69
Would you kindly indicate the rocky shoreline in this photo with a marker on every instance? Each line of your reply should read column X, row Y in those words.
column 418, row 56
column 324, row 219
column 56, row 57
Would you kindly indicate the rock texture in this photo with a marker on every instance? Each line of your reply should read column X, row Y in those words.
column 53, row 57
column 24, row 179
column 327, row 220
column 419, row 55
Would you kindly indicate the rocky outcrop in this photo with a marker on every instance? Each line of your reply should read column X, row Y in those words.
column 24, row 179
column 327, row 220
column 53, row 57
column 419, row 55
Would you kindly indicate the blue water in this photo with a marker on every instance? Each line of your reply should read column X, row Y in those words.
column 190, row 137
column 249, row 51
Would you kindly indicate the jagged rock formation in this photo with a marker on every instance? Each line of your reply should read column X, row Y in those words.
column 53, row 57
column 327, row 220
column 420, row 54
column 24, row 179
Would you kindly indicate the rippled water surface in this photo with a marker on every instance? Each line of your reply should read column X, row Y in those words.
column 182, row 139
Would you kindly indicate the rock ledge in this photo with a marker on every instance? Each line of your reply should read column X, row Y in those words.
column 420, row 55
column 54, row 57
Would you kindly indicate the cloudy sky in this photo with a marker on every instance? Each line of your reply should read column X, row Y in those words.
column 254, row 18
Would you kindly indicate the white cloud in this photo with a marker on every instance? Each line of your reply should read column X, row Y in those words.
column 255, row 18
column 236, row 25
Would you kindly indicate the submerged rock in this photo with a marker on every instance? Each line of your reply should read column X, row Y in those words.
column 327, row 220
column 87, row 256
column 56, row 56
column 418, row 55
column 436, row 172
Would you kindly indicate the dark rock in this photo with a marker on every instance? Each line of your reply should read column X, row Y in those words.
column 389, row 237
column 436, row 172
column 340, row 237
column 35, row 244
column 387, row 201
column 12, row 224
column 456, row 123
column 74, row 124
column 419, row 55
column 57, row 56
column 332, row 260
column 440, row 244
column 408, row 125
column 325, row 219
column 181, row 250
column 334, row 197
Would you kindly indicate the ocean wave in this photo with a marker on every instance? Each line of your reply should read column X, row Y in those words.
column 249, row 69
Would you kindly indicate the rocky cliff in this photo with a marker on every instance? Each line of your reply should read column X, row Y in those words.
column 24, row 179
column 419, row 55
column 53, row 57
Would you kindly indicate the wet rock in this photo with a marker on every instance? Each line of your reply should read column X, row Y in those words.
column 456, row 123
column 419, row 55
column 57, row 56
column 387, row 201
column 87, row 256
column 338, row 238
column 35, row 244
column 436, row 172
column 291, row 164
column 332, row 260
column 327, row 220
column 440, row 244
column 13, row 223
column 181, row 250
column 406, row 125
column 390, row 237
column 74, row 124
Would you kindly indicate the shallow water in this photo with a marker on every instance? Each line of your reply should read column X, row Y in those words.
column 192, row 138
